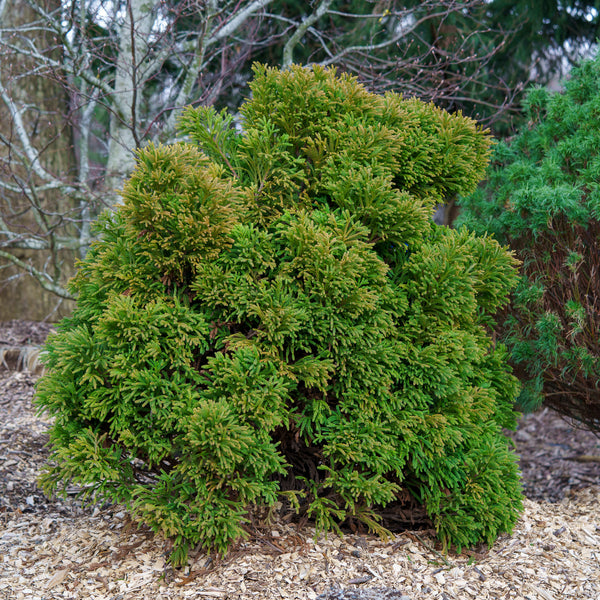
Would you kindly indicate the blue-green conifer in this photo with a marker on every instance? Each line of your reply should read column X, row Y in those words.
column 542, row 198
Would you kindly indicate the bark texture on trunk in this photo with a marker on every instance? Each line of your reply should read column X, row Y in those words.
column 43, row 104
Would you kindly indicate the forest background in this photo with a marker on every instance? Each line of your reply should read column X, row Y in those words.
column 84, row 83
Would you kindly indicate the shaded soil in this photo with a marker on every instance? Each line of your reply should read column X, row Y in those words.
column 23, row 333
column 557, row 457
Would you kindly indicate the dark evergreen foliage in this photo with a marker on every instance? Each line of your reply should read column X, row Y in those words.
column 272, row 315
column 543, row 198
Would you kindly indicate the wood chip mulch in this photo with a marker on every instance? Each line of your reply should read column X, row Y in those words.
column 51, row 549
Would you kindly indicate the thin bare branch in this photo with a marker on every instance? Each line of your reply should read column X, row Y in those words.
column 294, row 39
column 45, row 281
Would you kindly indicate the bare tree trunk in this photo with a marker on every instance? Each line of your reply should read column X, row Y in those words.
column 41, row 101
column 124, row 120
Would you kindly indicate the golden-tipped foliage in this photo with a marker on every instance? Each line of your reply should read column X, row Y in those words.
column 273, row 315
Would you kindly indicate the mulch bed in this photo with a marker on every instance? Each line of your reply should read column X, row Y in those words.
column 55, row 548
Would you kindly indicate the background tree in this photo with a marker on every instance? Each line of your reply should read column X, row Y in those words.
column 547, row 39
column 122, row 69
column 36, row 148
column 543, row 199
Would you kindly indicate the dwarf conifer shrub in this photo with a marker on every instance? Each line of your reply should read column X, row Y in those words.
column 272, row 315
column 543, row 199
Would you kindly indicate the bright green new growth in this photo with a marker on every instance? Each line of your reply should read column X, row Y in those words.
column 273, row 315
column 543, row 199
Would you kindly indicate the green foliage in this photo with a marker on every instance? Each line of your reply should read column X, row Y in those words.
column 273, row 315
column 543, row 199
